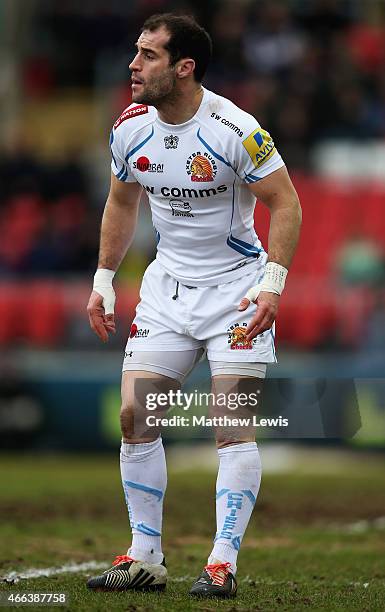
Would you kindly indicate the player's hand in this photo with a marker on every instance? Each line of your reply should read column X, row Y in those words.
column 101, row 323
column 267, row 307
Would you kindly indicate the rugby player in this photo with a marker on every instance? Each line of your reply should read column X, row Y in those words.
column 212, row 288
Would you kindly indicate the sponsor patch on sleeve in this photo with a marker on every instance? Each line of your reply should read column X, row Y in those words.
column 141, row 109
column 260, row 146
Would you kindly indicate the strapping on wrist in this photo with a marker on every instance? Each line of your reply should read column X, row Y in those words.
column 103, row 277
column 274, row 278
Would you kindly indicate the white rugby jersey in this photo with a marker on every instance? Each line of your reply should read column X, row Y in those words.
column 196, row 175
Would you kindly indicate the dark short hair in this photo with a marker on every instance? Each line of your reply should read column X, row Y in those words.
column 187, row 39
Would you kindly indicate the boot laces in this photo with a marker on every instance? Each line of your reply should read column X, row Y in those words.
column 122, row 559
column 218, row 572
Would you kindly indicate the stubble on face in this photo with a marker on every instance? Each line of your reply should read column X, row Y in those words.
column 157, row 89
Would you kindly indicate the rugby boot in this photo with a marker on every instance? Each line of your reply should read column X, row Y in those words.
column 128, row 573
column 216, row 580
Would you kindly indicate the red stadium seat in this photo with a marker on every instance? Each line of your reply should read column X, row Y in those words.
column 45, row 316
column 11, row 312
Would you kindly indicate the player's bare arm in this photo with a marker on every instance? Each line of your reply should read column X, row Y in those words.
column 277, row 192
column 116, row 235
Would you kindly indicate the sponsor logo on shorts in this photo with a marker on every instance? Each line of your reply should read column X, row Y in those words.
column 180, row 208
column 228, row 123
column 136, row 332
column 128, row 354
column 186, row 192
column 201, row 167
column 142, row 109
column 171, row 142
column 143, row 164
column 237, row 337
column 260, row 146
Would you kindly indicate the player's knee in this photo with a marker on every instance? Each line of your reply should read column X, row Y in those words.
column 134, row 430
column 135, row 423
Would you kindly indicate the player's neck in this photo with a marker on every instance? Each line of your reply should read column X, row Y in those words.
column 180, row 107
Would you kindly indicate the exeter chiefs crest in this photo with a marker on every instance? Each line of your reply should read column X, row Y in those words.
column 237, row 337
column 201, row 168
column 171, row 142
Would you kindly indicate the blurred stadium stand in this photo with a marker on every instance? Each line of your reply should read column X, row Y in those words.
column 311, row 71
column 310, row 313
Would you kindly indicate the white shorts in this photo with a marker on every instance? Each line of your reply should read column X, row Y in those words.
column 174, row 317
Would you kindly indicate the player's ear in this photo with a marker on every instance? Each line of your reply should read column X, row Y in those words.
column 185, row 67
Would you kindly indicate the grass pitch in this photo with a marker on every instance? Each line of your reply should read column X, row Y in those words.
column 315, row 542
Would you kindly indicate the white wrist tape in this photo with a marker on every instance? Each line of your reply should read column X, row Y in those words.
column 273, row 281
column 103, row 286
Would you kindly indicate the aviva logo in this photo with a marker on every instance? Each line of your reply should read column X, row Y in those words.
column 260, row 146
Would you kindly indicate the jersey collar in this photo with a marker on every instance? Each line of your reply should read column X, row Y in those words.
column 183, row 127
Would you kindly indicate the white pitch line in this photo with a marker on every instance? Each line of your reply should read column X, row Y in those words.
column 70, row 568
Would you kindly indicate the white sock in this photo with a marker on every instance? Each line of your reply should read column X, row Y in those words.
column 144, row 479
column 239, row 477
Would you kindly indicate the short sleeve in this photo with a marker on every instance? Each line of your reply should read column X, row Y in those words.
column 119, row 167
column 257, row 155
